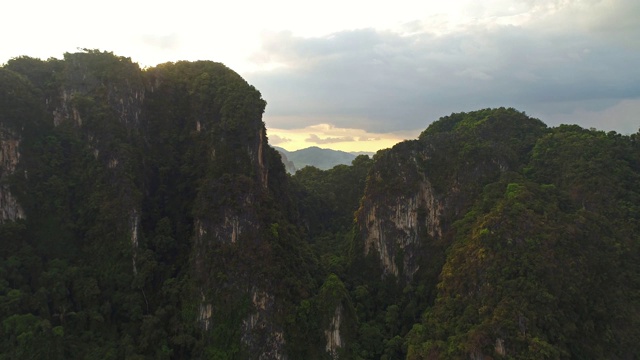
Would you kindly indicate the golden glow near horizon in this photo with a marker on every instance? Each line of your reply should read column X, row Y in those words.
column 330, row 137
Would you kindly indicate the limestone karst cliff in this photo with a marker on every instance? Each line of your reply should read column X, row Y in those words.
column 149, row 183
column 10, row 209
column 419, row 188
column 18, row 99
column 490, row 210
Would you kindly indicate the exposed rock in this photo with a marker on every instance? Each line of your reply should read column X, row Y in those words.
column 394, row 226
column 124, row 94
column 10, row 209
column 229, row 226
column 204, row 313
column 499, row 348
column 258, row 331
column 134, row 224
column 418, row 189
column 257, row 157
column 332, row 334
column 9, row 154
column 401, row 209
column 93, row 102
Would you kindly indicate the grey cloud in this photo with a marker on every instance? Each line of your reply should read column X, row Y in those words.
column 313, row 138
column 382, row 81
column 621, row 116
column 618, row 22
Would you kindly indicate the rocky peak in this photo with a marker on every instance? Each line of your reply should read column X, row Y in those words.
column 417, row 189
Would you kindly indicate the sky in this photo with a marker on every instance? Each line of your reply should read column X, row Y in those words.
column 360, row 75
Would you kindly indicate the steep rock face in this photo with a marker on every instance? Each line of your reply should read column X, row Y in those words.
column 337, row 318
column 258, row 330
column 393, row 222
column 90, row 101
column 225, row 146
column 228, row 221
column 402, row 210
column 333, row 335
column 394, row 228
column 417, row 189
column 19, row 112
column 256, row 153
column 116, row 81
column 102, row 97
column 10, row 209
column 9, row 154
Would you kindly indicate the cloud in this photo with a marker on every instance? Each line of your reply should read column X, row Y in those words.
column 313, row 138
column 163, row 42
column 275, row 139
column 621, row 117
column 536, row 57
column 365, row 138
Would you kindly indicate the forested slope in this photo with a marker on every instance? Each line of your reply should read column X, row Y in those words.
column 494, row 236
column 525, row 237
column 144, row 214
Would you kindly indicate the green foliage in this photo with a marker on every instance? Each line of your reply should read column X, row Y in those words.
column 20, row 106
column 467, row 147
column 545, row 265
column 327, row 201
column 44, row 75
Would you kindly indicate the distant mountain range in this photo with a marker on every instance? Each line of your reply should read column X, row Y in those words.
column 323, row 159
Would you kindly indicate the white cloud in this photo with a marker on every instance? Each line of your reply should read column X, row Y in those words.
column 278, row 140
